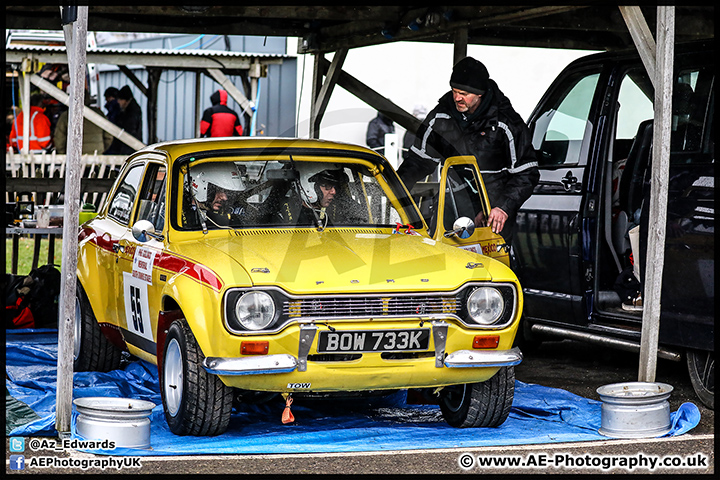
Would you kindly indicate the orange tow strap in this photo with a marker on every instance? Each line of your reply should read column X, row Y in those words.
column 287, row 416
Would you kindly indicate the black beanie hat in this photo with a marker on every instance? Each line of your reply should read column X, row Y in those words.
column 125, row 93
column 470, row 75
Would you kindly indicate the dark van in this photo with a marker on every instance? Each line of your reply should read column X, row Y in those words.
column 572, row 252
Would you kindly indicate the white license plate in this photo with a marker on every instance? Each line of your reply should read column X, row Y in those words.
column 413, row 340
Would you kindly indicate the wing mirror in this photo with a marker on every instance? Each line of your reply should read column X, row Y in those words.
column 144, row 229
column 463, row 227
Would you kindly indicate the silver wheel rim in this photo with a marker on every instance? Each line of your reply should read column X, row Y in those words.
column 173, row 377
column 78, row 329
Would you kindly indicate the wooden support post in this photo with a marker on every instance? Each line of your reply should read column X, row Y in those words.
column 51, row 249
column 152, row 103
column 460, row 44
column 320, row 102
column 642, row 37
column 26, row 111
column 36, row 251
column 655, row 258
column 319, row 58
column 15, row 254
column 198, row 103
column 75, row 40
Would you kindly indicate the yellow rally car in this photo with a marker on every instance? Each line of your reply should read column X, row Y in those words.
column 253, row 265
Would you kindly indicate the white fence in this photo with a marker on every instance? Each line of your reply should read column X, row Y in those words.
column 52, row 165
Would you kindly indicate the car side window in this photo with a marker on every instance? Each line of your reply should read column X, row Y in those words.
column 121, row 205
column 462, row 195
column 151, row 205
column 562, row 127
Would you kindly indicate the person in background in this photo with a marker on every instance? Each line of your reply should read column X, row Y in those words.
column 129, row 119
column 111, row 104
column 419, row 112
column 220, row 120
column 476, row 118
column 377, row 128
column 40, row 138
column 95, row 139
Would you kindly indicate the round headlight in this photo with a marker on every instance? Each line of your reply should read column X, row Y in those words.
column 485, row 305
column 255, row 310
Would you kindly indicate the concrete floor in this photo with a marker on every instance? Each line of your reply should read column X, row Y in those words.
column 573, row 366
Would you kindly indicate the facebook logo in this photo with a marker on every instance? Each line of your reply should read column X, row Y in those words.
column 17, row 462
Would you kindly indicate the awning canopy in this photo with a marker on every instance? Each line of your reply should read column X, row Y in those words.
column 328, row 28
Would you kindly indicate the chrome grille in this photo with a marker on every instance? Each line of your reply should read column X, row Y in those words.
column 371, row 306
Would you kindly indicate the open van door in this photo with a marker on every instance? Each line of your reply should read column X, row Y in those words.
column 463, row 195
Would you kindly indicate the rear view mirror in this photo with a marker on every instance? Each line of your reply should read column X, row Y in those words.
column 282, row 174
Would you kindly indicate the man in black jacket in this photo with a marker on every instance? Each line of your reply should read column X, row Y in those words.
column 476, row 118
column 129, row 119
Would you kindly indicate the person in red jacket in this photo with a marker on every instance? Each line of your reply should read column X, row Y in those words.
column 220, row 120
column 40, row 137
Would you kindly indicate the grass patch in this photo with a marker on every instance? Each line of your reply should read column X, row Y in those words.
column 25, row 253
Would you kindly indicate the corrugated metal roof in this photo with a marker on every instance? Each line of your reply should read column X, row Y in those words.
column 145, row 51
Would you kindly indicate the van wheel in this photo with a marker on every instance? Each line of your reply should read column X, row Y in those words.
column 485, row 404
column 195, row 402
column 701, row 367
column 92, row 351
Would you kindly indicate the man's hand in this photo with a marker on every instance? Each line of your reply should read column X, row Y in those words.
column 496, row 219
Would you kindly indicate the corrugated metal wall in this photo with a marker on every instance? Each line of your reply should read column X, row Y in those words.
column 176, row 92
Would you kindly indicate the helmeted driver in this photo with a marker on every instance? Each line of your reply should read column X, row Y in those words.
column 215, row 186
column 320, row 189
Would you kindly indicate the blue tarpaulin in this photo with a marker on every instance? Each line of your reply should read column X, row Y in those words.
column 538, row 415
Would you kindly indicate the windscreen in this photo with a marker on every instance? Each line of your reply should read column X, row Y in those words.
column 226, row 193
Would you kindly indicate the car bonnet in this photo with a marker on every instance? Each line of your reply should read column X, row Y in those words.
column 304, row 261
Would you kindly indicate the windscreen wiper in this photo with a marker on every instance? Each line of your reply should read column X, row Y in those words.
column 303, row 196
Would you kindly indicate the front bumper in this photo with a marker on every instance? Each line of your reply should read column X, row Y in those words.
column 286, row 363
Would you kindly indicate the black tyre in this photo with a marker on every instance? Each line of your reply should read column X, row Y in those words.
column 701, row 367
column 485, row 404
column 195, row 402
column 93, row 352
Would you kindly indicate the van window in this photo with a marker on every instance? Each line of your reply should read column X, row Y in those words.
column 691, row 139
column 560, row 130
column 635, row 101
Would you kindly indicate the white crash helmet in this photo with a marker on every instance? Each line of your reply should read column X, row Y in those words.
column 220, row 174
column 311, row 180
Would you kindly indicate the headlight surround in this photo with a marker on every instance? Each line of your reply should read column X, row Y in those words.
column 485, row 305
column 255, row 310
